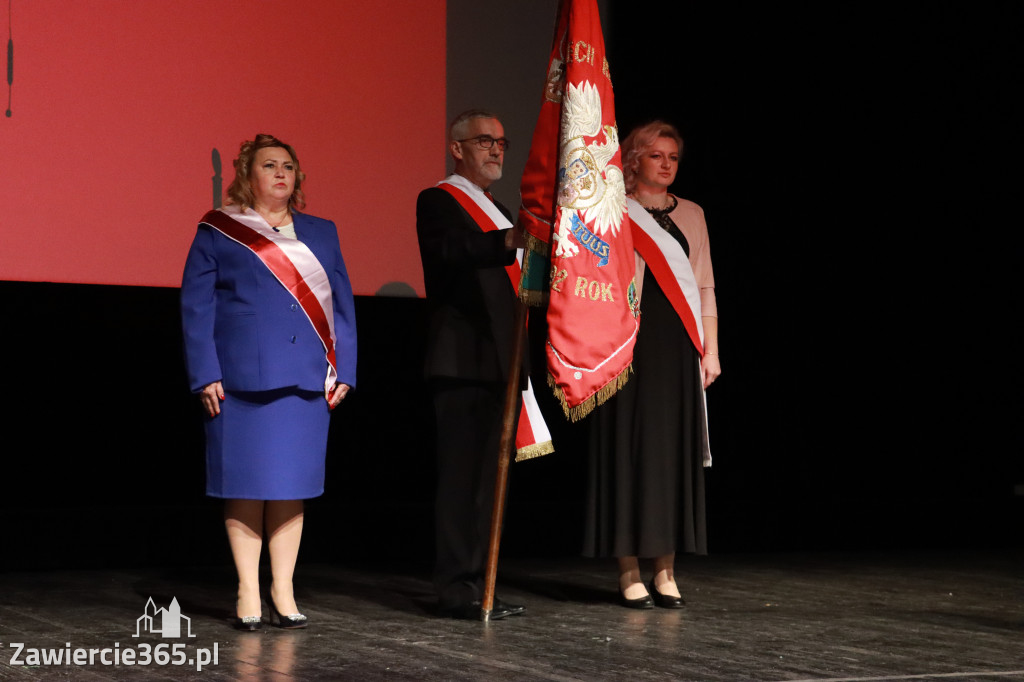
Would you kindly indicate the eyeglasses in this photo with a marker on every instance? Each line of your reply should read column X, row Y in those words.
column 486, row 142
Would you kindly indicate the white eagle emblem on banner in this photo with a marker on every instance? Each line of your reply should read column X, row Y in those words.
column 586, row 182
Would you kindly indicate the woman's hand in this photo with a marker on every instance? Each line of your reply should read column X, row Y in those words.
column 210, row 397
column 710, row 367
column 337, row 394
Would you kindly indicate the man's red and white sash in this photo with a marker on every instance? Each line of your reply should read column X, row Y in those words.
column 669, row 264
column 533, row 438
column 292, row 264
column 671, row 267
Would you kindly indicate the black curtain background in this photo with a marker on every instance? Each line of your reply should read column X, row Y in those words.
column 859, row 165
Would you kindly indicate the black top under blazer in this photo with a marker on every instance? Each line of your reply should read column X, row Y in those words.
column 470, row 299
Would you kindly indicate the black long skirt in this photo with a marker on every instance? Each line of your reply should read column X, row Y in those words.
column 645, row 493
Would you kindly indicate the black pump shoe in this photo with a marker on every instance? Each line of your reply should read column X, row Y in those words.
column 644, row 602
column 663, row 600
column 294, row 621
column 247, row 624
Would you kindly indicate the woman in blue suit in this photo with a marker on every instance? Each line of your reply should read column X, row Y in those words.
column 270, row 344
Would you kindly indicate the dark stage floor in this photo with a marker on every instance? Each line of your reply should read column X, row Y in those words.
column 868, row 616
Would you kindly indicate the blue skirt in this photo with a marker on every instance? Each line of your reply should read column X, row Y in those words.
column 270, row 445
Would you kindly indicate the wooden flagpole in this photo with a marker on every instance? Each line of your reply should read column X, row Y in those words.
column 506, row 444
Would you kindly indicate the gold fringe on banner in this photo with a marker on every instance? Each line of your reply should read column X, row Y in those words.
column 533, row 285
column 537, row 245
column 535, row 450
column 587, row 406
column 534, row 299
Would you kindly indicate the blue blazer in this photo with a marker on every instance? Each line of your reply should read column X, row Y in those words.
column 243, row 328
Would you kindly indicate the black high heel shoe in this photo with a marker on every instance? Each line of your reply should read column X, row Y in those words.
column 663, row 600
column 295, row 621
column 247, row 624
column 644, row 602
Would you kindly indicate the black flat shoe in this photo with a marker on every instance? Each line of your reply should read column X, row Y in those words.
column 663, row 600
column 247, row 624
column 295, row 621
column 513, row 609
column 644, row 602
column 474, row 611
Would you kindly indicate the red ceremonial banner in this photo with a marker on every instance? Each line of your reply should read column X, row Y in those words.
column 580, row 258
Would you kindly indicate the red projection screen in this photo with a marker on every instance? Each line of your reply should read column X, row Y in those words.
column 117, row 110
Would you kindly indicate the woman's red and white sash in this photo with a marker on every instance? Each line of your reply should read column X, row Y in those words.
column 669, row 264
column 292, row 264
column 671, row 267
column 533, row 438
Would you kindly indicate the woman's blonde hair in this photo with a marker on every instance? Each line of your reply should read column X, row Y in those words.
column 240, row 190
column 638, row 142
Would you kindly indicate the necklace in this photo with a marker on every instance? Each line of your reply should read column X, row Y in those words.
column 286, row 219
column 669, row 203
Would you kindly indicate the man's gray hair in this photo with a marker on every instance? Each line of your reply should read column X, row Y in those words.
column 457, row 130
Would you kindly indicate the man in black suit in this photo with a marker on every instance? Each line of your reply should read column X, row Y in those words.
column 472, row 302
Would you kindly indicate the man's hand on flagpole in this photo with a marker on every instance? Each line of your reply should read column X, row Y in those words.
column 515, row 237
column 211, row 397
column 337, row 394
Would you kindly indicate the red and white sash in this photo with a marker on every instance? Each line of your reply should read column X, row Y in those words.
column 671, row 267
column 533, row 438
column 292, row 264
column 669, row 264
